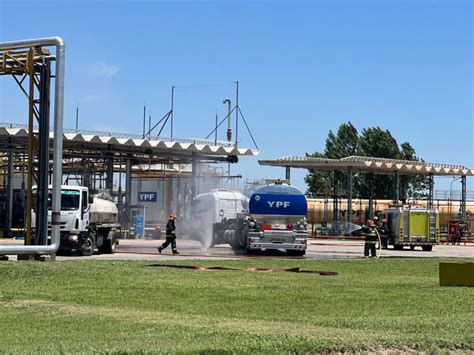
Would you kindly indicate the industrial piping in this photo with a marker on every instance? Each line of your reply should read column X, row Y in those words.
column 57, row 147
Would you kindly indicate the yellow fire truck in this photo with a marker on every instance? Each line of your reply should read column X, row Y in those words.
column 411, row 227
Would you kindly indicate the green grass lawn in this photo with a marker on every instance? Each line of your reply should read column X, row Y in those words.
column 126, row 306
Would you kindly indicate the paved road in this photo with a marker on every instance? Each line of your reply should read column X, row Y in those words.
column 140, row 249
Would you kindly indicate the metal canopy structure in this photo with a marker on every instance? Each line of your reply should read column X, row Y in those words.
column 103, row 144
column 377, row 166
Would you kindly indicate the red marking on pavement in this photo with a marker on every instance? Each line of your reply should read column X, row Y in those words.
column 252, row 269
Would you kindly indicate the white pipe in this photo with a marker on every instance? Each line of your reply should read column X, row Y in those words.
column 57, row 148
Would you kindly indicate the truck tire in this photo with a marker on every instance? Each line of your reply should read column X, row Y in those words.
column 398, row 247
column 88, row 245
column 427, row 247
column 239, row 244
column 109, row 244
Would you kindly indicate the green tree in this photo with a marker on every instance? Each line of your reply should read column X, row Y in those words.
column 373, row 142
column 340, row 145
column 411, row 186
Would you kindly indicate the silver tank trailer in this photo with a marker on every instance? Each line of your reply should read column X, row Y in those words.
column 103, row 212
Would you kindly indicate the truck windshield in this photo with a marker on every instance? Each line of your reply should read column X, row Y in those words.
column 69, row 200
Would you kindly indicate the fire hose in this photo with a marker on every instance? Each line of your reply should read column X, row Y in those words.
column 252, row 269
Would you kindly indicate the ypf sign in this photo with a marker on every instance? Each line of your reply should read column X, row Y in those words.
column 147, row 197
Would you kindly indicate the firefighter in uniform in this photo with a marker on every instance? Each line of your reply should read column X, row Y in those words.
column 170, row 235
column 370, row 239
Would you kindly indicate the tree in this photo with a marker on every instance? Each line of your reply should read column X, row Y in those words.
column 340, row 145
column 411, row 186
column 373, row 142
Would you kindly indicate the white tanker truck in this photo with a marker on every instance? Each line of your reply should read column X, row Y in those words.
column 86, row 222
column 273, row 218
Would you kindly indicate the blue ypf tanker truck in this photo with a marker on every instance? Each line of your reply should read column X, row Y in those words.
column 274, row 218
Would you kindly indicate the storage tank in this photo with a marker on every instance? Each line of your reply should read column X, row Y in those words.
column 103, row 212
column 278, row 204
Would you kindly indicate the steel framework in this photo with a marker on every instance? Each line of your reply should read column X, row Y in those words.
column 31, row 70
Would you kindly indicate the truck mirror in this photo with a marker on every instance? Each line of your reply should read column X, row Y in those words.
column 221, row 213
column 91, row 199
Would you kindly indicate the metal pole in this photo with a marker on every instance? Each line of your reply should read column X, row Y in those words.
column 371, row 197
column 120, row 202
column 144, row 120
column 430, row 193
column 149, row 126
column 31, row 141
column 334, row 202
column 11, row 157
column 128, row 190
column 397, row 192
column 349, row 199
column 77, row 116
column 43, row 157
column 237, row 113
column 172, row 110
column 463, row 198
column 193, row 177
column 229, row 129
column 215, row 133
column 288, row 173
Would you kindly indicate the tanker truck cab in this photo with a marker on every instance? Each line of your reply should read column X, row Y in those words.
column 216, row 214
column 78, row 232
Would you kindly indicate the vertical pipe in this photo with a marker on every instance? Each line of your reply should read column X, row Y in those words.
column 120, row 202
column 11, row 157
column 29, row 196
column 371, row 196
column 43, row 156
column 172, row 111
column 215, row 132
column 288, row 173
column 144, row 120
column 193, row 177
column 57, row 147
column 334, row 202
column 77, row 116
column 58, row 141
column 229, row 129
column 149, row 126
column 128, row 190
column 349, row 199
column 397, row 192
column 463, row 198
column 237, row 111
column 109, row 182
column 431, row 189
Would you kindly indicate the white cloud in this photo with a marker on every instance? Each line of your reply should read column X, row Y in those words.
column 106, row 70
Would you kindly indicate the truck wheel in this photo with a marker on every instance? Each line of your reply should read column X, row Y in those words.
column 88, row 245
column 109, row 244
column 239, row 243
column 427, row 247
column 398, row 247
column 412, row 247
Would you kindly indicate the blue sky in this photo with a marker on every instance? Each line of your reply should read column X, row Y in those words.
column 303, row 68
